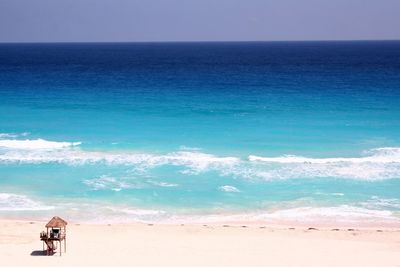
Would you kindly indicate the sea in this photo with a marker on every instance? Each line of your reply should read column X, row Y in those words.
column 205, row 132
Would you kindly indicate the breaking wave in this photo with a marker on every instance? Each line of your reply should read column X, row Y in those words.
column 378, row 155
column 358, row 214
column 375, row 164
column 229, row 188
column 14, row 202
column 13, row 135
column 110, row 183
column 341, row 214
column 194, row 161
column 35, row 144
column 337, row 215
column 106, row 182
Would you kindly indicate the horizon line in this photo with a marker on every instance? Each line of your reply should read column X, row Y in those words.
column 220, row 41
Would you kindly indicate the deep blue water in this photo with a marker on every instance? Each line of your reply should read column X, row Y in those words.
column 291, row 131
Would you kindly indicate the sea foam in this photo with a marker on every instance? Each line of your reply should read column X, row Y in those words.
column 35, row 144
column 377, row 155
column 229, row 188
column 109, row 183
column 15, row 202
column 105, row 182
column 193, row 161
column 376, row 164
column 344, row 214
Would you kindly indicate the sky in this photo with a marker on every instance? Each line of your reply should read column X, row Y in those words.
column 197, row 20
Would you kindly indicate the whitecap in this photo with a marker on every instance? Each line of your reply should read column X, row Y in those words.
column 228, row 188
column 343, row 213
column 105, row 182
column 14, row 202
column 13, row 135
column 376, row 164
column 162, row 184
column 35, row 144
column 194, row 162
column 8, row 135
column 377, row 155
column 376, row 202
column 187, row 148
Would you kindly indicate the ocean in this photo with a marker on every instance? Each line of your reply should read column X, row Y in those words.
column 270, row 132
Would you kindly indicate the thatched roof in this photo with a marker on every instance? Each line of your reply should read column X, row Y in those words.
column 56, row 222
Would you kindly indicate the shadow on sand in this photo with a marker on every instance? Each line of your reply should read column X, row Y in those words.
column 40, row 253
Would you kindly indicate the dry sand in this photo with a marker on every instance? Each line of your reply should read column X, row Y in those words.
column 200, row 245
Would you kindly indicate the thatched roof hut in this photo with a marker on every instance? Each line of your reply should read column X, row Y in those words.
column 56, row 222
column 56, row 232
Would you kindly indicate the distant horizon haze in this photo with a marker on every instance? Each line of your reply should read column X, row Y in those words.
column 203, row 41
column 197, row 21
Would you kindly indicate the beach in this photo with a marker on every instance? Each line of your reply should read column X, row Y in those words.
column 200, row 245
column 201, row 154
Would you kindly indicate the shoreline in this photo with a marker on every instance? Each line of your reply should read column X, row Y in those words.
column 237, row 225
column 277, row 224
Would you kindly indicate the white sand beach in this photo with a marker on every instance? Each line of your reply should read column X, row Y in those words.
column 200, row 245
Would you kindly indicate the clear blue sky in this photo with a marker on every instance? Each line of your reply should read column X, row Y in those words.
column 197, row 20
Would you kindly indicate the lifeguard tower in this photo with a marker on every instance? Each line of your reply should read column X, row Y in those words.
column 56, row 231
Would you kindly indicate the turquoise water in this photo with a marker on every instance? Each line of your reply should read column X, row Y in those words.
column 189, row 132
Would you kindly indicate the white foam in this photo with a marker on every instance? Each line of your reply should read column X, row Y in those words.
column 8, row 135
column 187, row 148
column 103, row 212
column 339, row 170
column 330, row 194
column 138, row 212
column 343, row 213
column 162, row 184
column 13, row 135
column 376, row 164
column 105, row 182
column 35, row 144
column 378, row 155
column 229, row 188
column 193, row 162
column 382, row 203
column 14, row 202
column 121, row 214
